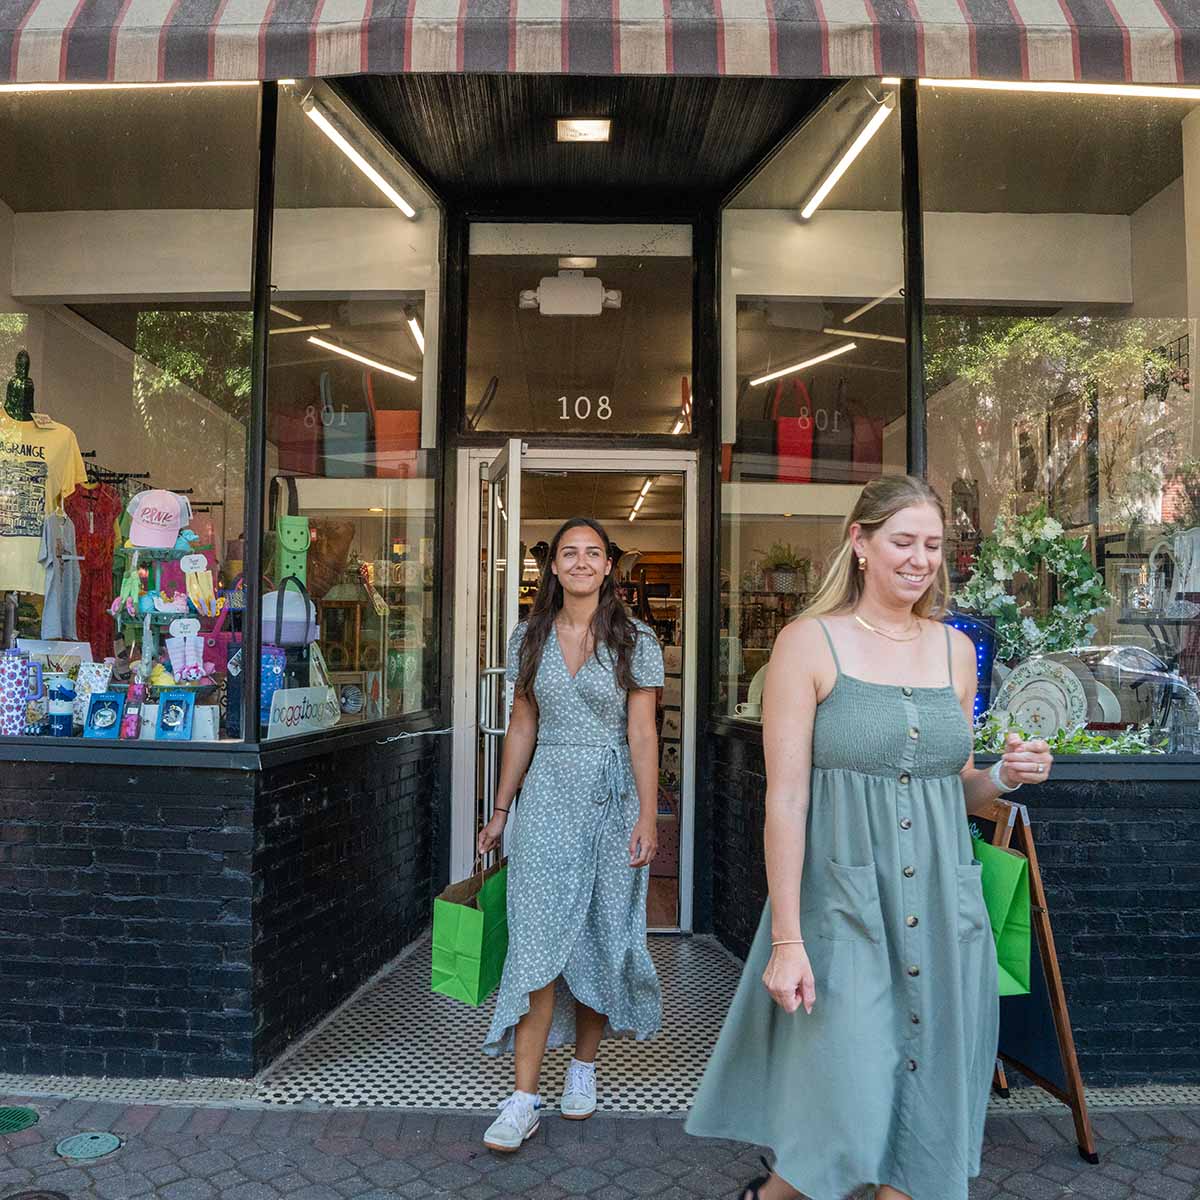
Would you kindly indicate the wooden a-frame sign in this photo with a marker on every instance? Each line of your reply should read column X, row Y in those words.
column 1035, row 1030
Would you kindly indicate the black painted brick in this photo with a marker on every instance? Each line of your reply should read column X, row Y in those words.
column 1121, row 865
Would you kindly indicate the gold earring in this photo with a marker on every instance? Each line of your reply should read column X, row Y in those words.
column 862, row 563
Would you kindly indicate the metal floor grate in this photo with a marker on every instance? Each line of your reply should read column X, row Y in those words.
column 397, row 1045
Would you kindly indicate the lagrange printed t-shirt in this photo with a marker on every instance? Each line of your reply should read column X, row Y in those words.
column 39, row 469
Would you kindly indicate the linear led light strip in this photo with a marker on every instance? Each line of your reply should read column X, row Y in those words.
column 1146, row 91
column 361, row 358
column 335, row 135
column 870, row 304
column 637, row 504
column 874, row 337
column 126, row 87
column 414, row 327
column 302, row 328
column 808, row 362
column 856, row 147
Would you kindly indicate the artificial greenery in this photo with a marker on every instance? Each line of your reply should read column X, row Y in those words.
column 992, row 729
column 782, row 556
column 1020, row 545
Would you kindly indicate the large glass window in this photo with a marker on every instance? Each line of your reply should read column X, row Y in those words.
column 813, row 383
column 348, row 559
column 1062, row 242
column 579, row 329
column 125, row 344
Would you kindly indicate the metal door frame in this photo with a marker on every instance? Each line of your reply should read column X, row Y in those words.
column 467, row 615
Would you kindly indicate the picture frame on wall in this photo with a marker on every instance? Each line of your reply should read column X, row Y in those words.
column 672, row 725
column 673, row 660
column 1029, row 459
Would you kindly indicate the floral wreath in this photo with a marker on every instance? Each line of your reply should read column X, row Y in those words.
column 1020, row 544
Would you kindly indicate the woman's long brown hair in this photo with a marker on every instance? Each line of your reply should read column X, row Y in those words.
column 611, row 625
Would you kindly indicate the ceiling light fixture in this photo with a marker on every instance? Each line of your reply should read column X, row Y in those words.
column 301, row 328
column 362, row 358
column 808, row 362
column 414, row 327
column 898, row 290
column 1144, row 91
column 583, row 129
column 647, row 486
column 285, row 312
column 125, row 87
column 678, row 427
column 375, row 510
column 856, row 147
column 317, row 116
column 576, row 262
column 858, row 333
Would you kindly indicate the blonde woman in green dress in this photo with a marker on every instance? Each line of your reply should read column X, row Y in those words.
column 861, row 1041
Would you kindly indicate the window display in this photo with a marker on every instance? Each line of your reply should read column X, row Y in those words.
column 1061, row 416
column 813, row 395
column 124, row 311
column 350, row 418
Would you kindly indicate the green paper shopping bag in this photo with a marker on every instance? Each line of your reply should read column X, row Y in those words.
column 1006, row 895
column 470, row 936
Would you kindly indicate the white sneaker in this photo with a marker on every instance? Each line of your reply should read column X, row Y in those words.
column 579, row 1093
column 517, row 1122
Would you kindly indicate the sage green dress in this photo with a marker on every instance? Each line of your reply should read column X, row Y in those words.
column 887, row 1081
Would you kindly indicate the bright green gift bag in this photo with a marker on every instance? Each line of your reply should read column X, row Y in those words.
column 470, row 936
column 1006, row 895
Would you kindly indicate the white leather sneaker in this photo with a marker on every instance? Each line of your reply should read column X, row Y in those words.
column 579, row 1093
column 516, row 1123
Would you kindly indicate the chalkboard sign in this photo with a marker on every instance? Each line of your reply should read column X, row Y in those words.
column 1035, row 1029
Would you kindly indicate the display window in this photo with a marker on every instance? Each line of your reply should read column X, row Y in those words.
column 125, row 356
column 348, row 622
column 813, row 398
column 1060, row 233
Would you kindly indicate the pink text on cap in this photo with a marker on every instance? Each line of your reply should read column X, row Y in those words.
column 158, row 516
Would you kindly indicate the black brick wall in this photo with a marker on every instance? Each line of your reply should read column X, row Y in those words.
column 125, row 920
column 1121, row 864
column 166, row 921
column 342, row 878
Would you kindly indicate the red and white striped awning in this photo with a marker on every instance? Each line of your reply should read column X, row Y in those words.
column 1135, row 41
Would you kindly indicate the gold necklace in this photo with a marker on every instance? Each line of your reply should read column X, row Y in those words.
column 884, row 633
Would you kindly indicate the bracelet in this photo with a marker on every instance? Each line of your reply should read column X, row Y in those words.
column 994, row 776
column 497, row 808
column 788, row 942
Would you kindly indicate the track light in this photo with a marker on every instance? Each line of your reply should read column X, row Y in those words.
column 1145, row 91
column 361, row 358
column 856, row 147
column 808, row 362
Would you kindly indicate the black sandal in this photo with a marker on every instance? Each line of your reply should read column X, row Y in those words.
column 751, row 1190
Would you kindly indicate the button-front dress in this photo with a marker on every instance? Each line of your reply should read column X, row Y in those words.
column 887, row 1080
column 576, row 909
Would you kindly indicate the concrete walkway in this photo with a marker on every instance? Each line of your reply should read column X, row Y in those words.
column 182, row 1153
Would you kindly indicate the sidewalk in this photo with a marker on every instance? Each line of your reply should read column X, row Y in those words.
column 184, row 1153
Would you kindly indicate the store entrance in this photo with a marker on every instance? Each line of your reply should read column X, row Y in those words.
column 511, row 502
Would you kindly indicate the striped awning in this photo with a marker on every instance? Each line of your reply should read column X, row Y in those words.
column 1135, row 41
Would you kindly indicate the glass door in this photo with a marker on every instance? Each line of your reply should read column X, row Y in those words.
column 500, row 577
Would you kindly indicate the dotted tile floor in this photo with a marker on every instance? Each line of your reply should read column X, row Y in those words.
column 397, row 1045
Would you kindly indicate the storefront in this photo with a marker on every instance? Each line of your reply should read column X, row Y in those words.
column 380, row 327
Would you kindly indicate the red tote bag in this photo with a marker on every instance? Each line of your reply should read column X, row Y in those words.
column 867, row 461
column 794, row 436
column 397, row 437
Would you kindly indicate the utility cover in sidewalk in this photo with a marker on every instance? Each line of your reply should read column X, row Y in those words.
column 87, row 1145
column 13, row 1120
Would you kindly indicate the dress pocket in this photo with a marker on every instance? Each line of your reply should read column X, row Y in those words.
column 972, row 912
column 850, row 906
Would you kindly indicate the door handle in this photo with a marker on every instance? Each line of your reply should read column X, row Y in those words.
column 484, row 677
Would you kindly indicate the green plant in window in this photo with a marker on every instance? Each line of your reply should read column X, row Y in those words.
column 991, row 730
column 1022, row 545
column 781, row 556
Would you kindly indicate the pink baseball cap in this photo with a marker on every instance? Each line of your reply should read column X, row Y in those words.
column 158, row 516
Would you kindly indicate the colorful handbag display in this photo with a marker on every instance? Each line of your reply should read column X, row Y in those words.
column 794, row 436
column 289, row 615
column 1005, row 879
column 470, row 936
column 397, row 437
column 297, row 438
column 345, row 436
column 220, row 643
column 291, row 533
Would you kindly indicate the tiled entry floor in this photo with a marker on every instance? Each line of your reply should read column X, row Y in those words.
column 401, row 1046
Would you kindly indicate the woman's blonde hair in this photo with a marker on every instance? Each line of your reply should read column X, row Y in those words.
column 881, row 499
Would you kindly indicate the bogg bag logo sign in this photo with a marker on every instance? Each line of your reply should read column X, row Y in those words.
column 302, row 710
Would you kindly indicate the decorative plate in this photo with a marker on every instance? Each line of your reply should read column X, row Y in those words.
column 1042, row 697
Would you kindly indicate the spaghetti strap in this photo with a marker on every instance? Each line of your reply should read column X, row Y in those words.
column 949, row 656
column 824, row 629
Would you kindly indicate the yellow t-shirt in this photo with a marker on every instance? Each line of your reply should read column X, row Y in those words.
column 39, row 469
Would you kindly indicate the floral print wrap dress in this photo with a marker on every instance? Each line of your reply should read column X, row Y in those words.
column 887, row 1080
column 576, row 909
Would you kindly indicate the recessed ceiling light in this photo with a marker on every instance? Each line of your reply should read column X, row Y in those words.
column 576, row 263
column 583, row 129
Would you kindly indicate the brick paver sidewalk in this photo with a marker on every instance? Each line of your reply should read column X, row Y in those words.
column 172, row 1153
